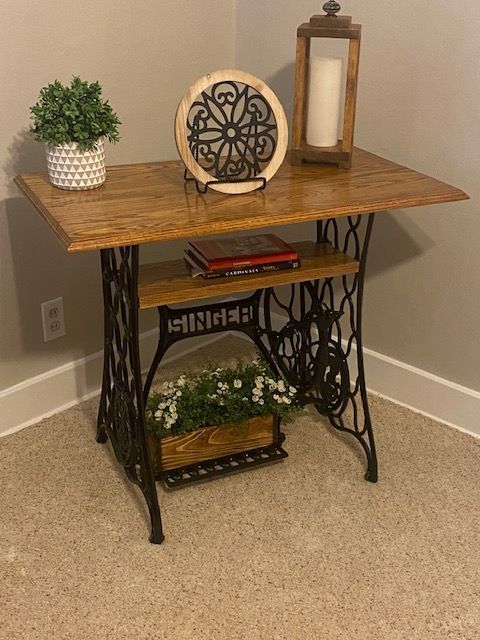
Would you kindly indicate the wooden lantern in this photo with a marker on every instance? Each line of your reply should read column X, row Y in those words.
column 325, row 26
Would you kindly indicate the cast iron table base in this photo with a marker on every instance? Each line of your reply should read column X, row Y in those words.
column 320, row 333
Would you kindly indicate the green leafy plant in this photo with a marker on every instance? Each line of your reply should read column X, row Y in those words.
column 74, row 113
column 219, row 396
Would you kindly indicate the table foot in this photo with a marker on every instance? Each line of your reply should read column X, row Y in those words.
column 101, row 436
column 372, row 475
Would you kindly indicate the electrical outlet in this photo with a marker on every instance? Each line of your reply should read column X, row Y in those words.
column 53, row 319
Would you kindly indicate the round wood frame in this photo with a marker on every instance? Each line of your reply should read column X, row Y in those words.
column 181, row 131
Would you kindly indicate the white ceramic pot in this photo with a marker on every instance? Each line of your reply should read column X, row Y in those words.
column 72, row 169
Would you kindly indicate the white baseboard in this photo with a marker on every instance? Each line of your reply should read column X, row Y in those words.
column 423, row 392
column 53, row 391
column 63, row 387
column 418, row 390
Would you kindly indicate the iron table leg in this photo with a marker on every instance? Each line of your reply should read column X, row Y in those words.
column 319, row 344
column 345, row 400
column 121, row 416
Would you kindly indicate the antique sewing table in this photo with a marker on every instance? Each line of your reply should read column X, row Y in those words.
column 321, row 332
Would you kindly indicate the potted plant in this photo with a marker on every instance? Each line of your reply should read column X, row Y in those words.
column 72, row 121
column 217, row 413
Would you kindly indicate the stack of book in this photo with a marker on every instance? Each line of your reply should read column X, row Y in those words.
column 240, row 256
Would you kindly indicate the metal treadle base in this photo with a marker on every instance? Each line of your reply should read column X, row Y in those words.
column 222, row 466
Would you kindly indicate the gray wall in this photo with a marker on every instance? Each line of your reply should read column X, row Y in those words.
column 144, row 54
column 419, row 105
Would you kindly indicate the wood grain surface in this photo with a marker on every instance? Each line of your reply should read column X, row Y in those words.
column 210, row 442
column 171, row 282
column 143, row 203
column 350, row 98
column 302, row 66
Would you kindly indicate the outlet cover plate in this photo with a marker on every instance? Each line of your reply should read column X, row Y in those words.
column 53, row 319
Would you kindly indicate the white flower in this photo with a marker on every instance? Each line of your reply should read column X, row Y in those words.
column 162, row 405
column 257, row 392
column 158, row 414
column 181, row 381
column 237, row 384
column 261, row 401
column 281, row 386
column 245, row 399
column 178, row 394
column 173, row 408
column 292, row 390
column 259, row 382
column 287, row 401
column 276, row 396
column 220, row 385
column 255, row 399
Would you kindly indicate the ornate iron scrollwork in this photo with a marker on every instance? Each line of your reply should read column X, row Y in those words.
column 343, row 397
column 300, row 350
column 232, row 131
column 122, row 418
column 121, row 415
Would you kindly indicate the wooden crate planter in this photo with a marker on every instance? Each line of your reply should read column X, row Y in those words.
column 211, row 444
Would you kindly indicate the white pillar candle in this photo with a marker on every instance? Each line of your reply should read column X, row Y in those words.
column 325, row 91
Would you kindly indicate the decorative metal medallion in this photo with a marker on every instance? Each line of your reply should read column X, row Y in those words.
column 231, row 132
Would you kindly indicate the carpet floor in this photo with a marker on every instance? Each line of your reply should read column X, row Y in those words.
column 304, row 549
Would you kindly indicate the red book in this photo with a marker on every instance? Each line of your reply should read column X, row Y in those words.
column 241, row 251
column 197, row 269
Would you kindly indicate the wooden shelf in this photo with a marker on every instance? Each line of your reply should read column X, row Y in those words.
column 170, row 282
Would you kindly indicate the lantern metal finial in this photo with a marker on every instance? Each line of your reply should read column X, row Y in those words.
column 331, row 7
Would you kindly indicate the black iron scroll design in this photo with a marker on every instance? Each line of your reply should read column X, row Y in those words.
column 299, row 348
column 232, row 131
column 343, row 396
column 320, row 335
column 121, row 416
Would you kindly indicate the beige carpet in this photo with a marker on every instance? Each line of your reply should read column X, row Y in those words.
column 305, row 549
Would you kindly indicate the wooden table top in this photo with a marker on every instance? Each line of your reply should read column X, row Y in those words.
column 142, row 203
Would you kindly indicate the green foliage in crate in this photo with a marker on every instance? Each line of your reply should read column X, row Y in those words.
column 219, row 396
